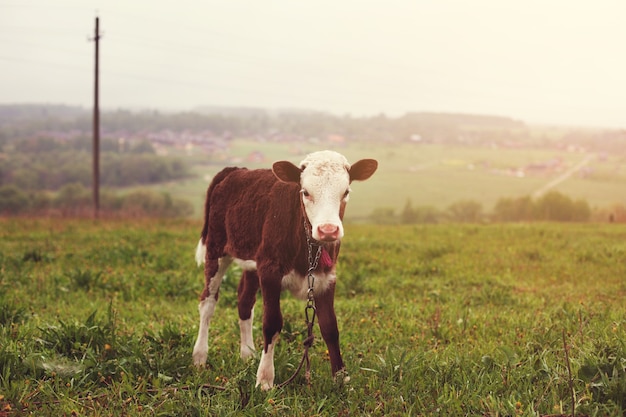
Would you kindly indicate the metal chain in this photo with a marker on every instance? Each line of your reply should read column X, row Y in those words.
column 309, row 240
column 309, row 311
column 313, row 262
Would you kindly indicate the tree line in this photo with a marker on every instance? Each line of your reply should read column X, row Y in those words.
column 47, row 164
column 48, row 176
column 75, row 200
column 552, row 206
column 23, row 121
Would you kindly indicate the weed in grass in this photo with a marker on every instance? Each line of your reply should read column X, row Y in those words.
column 34, row 255
column 74, row 340
column 85, row 279
column 11, row 313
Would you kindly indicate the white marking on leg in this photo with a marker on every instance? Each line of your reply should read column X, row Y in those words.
column 246, row 265
column 201, row 348
column 206, row 309
column 247, row 341
column 200, row 253
column 265, row 373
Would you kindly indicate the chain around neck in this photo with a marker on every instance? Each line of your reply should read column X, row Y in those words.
column 313, row 262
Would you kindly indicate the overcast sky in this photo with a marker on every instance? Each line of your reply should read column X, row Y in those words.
column 541, row 61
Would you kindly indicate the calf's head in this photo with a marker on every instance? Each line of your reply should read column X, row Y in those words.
column 324, row 178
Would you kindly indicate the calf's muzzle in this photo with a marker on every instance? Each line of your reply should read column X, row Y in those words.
column 328, row 232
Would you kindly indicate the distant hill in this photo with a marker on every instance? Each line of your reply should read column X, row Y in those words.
column 19, row 121
column 463, row 120
column 231, row 111
column 19, row 112
column 251, row 111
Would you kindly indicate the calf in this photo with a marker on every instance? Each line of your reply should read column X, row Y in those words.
column 264, row 220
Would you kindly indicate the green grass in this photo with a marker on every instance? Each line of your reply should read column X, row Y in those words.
column 99, row 318
column 427, row 175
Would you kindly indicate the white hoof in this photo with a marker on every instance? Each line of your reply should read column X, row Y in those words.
column 265, row 385
column 199, row 358
column 265, row 376
column 247, row 352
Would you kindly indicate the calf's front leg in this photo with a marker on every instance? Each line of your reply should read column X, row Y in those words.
column 325, row 307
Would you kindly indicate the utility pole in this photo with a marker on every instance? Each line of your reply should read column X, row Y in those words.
column 96, row 125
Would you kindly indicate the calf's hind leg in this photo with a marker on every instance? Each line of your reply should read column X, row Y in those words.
column 214, row 272
column 272, row 325
column 246, row 296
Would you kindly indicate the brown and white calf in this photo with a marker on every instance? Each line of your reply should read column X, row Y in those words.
column 260, row 219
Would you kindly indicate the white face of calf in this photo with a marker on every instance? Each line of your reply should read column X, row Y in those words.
column 325, row 179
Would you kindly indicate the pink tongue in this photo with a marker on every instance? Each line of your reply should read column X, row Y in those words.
column 325, row 260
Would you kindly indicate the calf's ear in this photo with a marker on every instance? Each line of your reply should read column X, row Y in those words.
column 363, row 169
column 286, row 171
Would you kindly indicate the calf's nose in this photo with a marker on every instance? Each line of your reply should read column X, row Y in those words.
column 328, row 232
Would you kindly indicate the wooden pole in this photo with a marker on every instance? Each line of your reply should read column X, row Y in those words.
column 96, row 125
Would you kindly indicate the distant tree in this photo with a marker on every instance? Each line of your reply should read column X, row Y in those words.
column 383, row 215
column 40, row 202
column 581, row 211
column 466, row 211
column 25, row 178
column 137, row 169
column 427, row 214
column 37, row 145
column 143, row 146
column 13, row 200
column 408, row 216
column 554, row 206
column 4, row 138
column 73, row 200
column 514, row 209
column 147, row 203
column 421, row 214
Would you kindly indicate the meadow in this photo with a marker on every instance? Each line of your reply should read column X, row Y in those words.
column 434, row 175
column 99, row 318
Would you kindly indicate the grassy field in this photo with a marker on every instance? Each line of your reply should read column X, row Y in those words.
column 99, row 319
column 429, row 174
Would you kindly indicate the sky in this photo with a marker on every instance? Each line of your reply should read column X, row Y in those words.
column 559, row 62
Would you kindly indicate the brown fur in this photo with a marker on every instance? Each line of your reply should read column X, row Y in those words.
column 251, row 215
column 260, row 216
